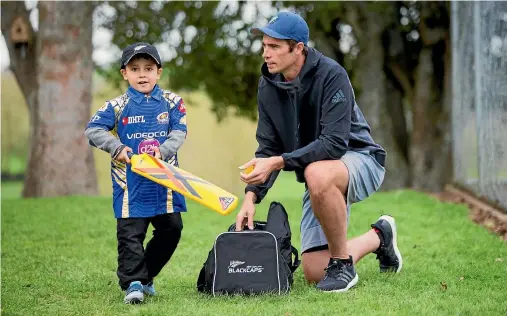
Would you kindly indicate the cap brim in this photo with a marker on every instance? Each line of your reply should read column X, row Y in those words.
column 141, row 52
column 268, row 32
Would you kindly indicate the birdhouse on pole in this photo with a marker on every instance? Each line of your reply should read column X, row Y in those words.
column 20, row 35
column 20, row 31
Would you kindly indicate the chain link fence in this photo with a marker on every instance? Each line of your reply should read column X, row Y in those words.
column 479, row 109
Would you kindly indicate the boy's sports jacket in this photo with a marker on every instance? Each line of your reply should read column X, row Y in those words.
column 140, row 122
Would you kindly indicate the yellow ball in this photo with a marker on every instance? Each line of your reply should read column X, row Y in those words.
column 248, row 170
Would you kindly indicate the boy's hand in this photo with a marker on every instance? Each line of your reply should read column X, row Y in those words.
column 156, row 153
column 122, row 156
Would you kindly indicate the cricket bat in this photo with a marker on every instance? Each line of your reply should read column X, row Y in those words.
column 183, row 182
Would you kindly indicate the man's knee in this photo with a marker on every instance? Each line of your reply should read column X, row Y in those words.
column 322, row 175
column 316, row 179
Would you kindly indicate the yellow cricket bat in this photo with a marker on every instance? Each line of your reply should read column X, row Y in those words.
column 181, row 181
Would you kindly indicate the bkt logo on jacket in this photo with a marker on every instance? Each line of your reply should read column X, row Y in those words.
column 133, row 119
column 147, row 135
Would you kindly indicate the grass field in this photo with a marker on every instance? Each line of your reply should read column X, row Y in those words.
column 59, row 258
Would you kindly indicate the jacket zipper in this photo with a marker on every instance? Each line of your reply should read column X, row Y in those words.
column 296, row 117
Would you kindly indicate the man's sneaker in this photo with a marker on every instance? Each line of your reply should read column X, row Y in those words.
column 149, row 289
column 134, row 293
column 388, row 253
column 340, row 276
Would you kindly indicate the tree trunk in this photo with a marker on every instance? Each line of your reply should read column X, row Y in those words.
column 373, row 95
column 22, row 56
column 55, row 77
column 430, row 144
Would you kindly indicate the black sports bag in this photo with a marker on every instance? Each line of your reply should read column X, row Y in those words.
column 252, row 261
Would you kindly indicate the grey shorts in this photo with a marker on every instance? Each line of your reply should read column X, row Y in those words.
column 365, row 177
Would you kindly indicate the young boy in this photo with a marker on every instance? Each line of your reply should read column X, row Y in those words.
column 145, row 119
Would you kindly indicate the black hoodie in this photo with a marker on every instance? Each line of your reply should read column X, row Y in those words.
column 311, row 118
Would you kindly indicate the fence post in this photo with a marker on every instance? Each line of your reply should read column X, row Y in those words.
column 456, row 110
column 478, row 91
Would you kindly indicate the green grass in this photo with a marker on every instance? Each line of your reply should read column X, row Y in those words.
column 11, row 189
column 59, row 258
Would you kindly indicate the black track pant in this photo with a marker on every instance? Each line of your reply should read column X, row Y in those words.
column 136, row 263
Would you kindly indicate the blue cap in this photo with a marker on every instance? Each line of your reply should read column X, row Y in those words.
column 139, row 48
column 285, row 25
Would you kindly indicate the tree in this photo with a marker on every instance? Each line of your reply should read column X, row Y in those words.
column 54, row 71
column 399, row 66
column 378, row 98
column 419, row 64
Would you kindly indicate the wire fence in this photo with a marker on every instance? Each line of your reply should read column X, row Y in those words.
column 479, row 109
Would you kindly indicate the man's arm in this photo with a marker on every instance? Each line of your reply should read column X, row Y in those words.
column 338, row 101
column 178, row 133
column 98, row 131
column 269, row 146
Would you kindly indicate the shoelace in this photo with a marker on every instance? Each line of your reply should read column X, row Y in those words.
column 135, row 287
column 334, row 270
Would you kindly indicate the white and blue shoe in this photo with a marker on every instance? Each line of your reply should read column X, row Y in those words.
column 149, row 289
column 134, row 293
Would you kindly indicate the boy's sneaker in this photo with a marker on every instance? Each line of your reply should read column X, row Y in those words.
column 149, row 289
column 134, row 293
column 388, row 253
column 340, row 276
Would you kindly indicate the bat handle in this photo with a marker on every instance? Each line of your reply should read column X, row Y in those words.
column 130, row 155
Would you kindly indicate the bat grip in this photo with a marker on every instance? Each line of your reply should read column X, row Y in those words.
column 130, row 154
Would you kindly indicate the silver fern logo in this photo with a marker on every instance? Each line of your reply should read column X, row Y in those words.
column 273, row 19
column 235, row 263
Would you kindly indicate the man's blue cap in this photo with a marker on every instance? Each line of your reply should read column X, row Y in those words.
column 285, row 25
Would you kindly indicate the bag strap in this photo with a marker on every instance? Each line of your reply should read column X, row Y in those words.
column 297, row 262
column 201, row 283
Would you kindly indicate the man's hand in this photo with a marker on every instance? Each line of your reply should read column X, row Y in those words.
column 247, row 212
column 263, row 169
column 122, row 156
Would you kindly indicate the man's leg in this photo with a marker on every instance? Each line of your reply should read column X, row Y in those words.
column 327, row 183
column 166, row 236
column 332, row 186
column 316, row 260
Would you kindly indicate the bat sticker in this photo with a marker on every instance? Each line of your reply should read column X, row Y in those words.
column 225, row 202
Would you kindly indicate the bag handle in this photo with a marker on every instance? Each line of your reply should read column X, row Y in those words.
column 258, row 225
column 297, row 262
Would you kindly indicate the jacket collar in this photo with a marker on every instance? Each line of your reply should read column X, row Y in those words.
column 138, row 97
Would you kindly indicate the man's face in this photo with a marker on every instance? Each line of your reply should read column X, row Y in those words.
column 277, row 55
column 142, row 74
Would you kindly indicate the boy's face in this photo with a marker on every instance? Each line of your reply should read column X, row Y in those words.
column 142, row 74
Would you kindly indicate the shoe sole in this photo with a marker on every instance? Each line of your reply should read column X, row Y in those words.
column 350, row 285
column 392, row 223
column 134, row 299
